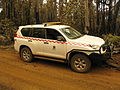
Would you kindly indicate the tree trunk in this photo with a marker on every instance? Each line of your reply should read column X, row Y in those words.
column 117, row 7
column 86, row 29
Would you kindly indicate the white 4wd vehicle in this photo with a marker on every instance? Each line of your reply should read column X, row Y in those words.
column 59, row 42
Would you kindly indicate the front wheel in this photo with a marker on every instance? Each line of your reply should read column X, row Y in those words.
column 80, row 63
column 26, row 54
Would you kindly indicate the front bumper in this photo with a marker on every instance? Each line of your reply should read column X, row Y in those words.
column 106, row 50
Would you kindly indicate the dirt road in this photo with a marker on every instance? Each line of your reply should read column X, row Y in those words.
column 50, row 75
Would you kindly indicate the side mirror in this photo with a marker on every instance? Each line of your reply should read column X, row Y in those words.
column 60, row 38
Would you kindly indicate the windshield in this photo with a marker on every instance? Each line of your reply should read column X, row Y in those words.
column 71, row 33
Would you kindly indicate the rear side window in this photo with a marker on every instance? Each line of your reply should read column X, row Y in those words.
column 26, row 32
column 38, row 33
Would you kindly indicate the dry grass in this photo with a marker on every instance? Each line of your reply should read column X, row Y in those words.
column 6, row 46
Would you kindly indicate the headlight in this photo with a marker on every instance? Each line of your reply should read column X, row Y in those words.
column 104, row 49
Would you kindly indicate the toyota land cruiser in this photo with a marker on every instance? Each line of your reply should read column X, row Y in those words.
column 57, row 41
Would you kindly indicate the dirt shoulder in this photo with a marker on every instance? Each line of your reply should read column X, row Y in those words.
column 45, row 74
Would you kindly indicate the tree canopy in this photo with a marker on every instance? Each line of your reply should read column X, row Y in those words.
column 96, row 16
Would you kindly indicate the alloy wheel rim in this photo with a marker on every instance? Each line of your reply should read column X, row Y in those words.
column 80, row 64
column 26, row 55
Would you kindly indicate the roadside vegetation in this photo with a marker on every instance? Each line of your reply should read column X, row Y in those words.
column 112, row 38
column 7, row 30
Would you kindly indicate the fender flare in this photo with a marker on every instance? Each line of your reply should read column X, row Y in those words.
column 74, row 51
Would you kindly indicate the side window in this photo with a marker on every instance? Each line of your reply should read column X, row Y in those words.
column 26, row 32
column 52, row 34
column 38, row 33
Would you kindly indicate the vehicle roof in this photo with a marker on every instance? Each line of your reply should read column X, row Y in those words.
column 43, row 26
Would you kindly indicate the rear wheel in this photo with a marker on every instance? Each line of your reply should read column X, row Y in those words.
column 80, row 63
column 26, row 54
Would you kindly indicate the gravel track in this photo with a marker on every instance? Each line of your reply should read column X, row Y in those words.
column 51, row 75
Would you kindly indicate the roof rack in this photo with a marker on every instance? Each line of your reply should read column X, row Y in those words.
column 52, row 23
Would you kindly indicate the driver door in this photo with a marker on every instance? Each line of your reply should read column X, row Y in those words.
column 52, row 47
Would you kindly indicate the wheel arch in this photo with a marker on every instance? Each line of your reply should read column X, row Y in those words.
column 73, row 52
column 23, row 46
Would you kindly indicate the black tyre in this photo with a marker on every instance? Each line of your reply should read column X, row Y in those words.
column 26, row 54
column 80, row 63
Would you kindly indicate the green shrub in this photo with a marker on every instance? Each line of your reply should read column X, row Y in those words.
column 4, row 40
column 111, row 38
column 7, row 30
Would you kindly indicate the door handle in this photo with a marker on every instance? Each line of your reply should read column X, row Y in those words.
column 46, row 43
column 54, row 47
column 29, row 40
